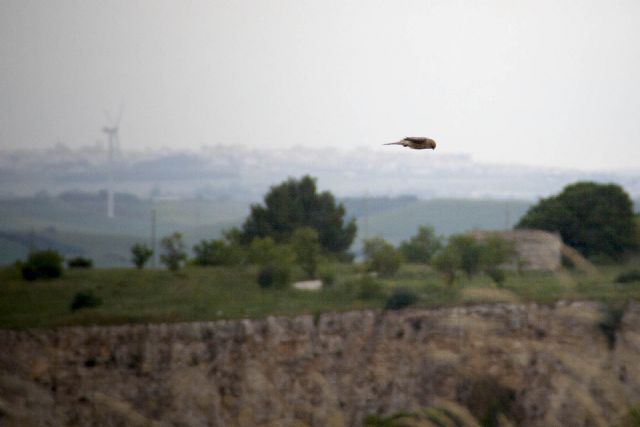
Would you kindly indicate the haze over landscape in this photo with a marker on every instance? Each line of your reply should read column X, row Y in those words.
column 200, row 224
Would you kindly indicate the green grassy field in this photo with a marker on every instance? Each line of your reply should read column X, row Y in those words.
column 198, row 293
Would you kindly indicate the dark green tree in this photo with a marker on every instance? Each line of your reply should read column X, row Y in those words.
column 596, row 219
column 421, row 247
column 295, row 204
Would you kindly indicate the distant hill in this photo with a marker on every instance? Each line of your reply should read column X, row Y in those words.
column 447, row 216
column 75, row 223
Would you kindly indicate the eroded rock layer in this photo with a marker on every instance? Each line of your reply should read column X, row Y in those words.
column 537, row 365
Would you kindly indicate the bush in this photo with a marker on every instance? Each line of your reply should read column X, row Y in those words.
column 276, row 276
column 495, row 250
column 628, row 277
column 140, row 254
column 328, row 278
column 265, row 251
column 469, row 253
column 497, row 275
column 217, row 252
column 446, row 262
column 401, row 298
column 85, row 299
column 421, row 247
column 368, row 288
column 382, row 257
column 80, row 262
column 306, row 247
column 174, row 253
column 43, row 265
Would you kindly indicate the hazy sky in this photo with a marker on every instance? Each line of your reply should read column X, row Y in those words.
column 545, row 82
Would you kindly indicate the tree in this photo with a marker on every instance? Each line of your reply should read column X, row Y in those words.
column 495, row 251
column 306, row 246
column 468, row 252
column 596, row 219
column 447, row 261
column 140, row 254
column 295, row 204
column 421, row 247
column 462, row 252
column 174, row 253
column 381, row 256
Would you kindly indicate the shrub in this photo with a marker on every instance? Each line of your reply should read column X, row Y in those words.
column 469, row 253
column 497, row 275
column 217, row 252
column 265, row 251
column 421, row 247
column 276, row 276
column 495, row 250
column 306, row 247
column 368, row 288
column 381, row 256
column 628, row 277
column 140, row 254
column 43, row 264
column 84, row 299
column 80, row 262
column 446, row 262
column 328, row 278
column 174, row 253
column 401, row 298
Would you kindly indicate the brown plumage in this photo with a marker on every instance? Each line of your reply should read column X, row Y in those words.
column 416, row 142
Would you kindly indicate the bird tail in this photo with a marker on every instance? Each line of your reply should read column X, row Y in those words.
column 395, row 143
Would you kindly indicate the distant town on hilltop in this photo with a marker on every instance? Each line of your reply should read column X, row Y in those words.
column 244, row 174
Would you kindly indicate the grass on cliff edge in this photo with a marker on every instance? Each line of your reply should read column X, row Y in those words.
column 197, row 293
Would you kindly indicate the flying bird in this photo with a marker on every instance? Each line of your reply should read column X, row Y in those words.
column 416, row 142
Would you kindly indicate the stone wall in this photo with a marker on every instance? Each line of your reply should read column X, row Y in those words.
column 553, row 363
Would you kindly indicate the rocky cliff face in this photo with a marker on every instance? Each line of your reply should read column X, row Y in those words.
column 540, row 365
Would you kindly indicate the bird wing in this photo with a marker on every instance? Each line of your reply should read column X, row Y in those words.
column 416, row 139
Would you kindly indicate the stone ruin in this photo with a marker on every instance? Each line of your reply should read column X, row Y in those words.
column 535, row 249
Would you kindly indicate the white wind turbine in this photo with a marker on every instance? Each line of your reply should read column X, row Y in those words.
column 114, row 144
